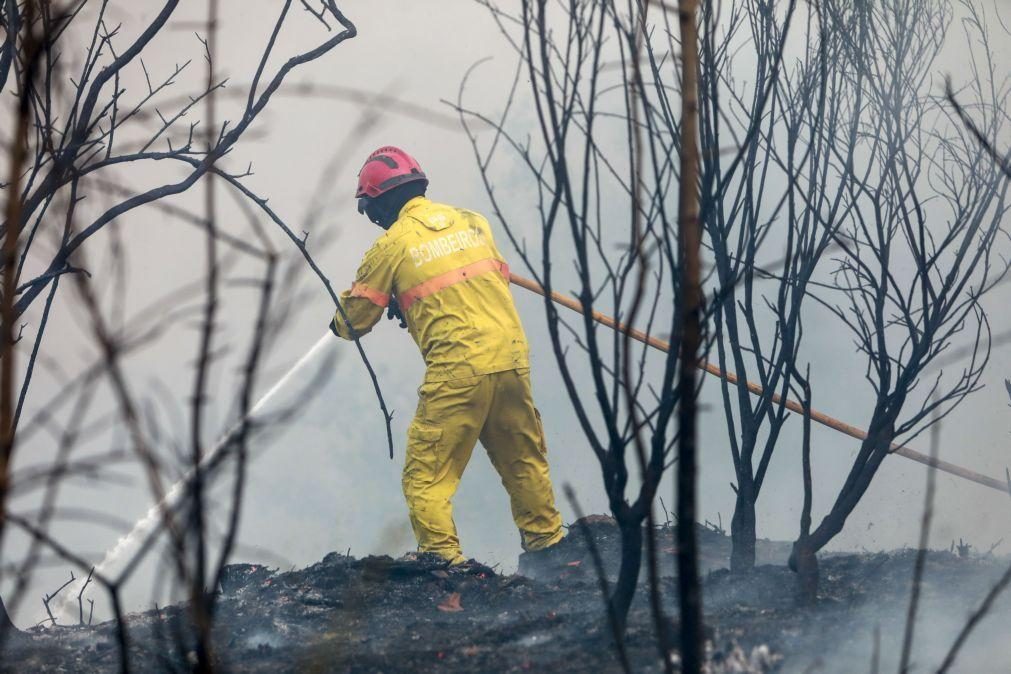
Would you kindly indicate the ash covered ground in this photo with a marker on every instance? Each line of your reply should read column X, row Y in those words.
column 383, row 615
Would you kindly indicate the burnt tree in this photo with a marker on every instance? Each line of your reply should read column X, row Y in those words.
column 921, row 241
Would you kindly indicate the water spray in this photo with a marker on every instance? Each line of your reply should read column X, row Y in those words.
column 126, row 550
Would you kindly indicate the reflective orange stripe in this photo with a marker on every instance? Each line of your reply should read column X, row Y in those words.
column 371, row 294
column 437, row 283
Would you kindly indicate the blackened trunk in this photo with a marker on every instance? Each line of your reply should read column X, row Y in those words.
column 875, row 449
column 743, row 531
column 804, row 562
column 6, row 626
column 690, row 320
column 628, row 573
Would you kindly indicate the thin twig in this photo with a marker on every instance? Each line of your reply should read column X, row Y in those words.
column 921, row 553
column 1003, row 161
column 80, row 603
column 605, row 587
column 49, row 597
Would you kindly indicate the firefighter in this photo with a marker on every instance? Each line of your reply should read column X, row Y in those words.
column 437, row 269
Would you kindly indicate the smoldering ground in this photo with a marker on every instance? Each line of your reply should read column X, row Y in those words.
column 346, row 614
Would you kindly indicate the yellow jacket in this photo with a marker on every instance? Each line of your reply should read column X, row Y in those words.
column 452, row 285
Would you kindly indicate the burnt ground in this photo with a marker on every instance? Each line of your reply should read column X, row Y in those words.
column 382, row 615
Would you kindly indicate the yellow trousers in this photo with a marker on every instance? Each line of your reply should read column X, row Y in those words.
column 498, row 410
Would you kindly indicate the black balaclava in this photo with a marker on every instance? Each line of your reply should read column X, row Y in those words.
column 385, row 209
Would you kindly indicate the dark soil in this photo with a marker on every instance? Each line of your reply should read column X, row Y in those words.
column 383, row 615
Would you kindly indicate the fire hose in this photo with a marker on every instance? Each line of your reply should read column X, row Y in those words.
column 755, row 389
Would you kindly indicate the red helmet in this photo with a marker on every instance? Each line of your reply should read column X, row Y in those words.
column 385, row 169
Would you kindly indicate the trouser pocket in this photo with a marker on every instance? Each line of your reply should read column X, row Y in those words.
column 542, row 444
column 425, row 454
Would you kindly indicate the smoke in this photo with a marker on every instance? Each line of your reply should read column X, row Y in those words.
column 846, row 641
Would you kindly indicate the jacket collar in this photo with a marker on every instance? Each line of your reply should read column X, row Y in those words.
column 412, row 204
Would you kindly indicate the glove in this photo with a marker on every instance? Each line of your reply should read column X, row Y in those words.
column 393, row 312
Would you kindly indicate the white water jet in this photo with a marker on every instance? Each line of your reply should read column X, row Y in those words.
column 122, row 554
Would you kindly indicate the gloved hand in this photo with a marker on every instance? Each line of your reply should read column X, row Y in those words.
column 393, row 312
